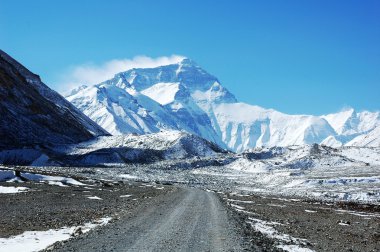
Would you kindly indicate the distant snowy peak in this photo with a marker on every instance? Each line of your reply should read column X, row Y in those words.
column 354, row 128
column 349, row 122
column 244, row 126
column 340, row 119
column 183, row 96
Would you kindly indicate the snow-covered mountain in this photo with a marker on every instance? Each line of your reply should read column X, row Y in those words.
column 183, row 96
column 149, row 100
column 34, row 115
column 350, row 125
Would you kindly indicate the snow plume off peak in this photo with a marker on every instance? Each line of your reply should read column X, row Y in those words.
column 91, row 73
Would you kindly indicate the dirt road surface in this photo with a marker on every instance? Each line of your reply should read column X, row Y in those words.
column 185, row 220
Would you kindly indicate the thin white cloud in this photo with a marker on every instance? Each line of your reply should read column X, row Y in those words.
column 89, row 74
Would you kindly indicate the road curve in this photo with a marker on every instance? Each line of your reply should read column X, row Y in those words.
column 185, row 220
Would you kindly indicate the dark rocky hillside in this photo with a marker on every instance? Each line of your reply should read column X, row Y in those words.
column 31, row 114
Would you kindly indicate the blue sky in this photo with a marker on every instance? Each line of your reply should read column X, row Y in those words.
column 311, row 57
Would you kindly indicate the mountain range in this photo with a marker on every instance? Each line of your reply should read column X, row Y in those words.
column 185, row 97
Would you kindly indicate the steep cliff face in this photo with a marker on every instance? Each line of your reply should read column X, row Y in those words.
column 32, row 114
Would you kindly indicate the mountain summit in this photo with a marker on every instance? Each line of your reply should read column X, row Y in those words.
column 183, row 96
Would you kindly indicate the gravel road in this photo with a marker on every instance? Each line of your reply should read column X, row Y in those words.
column 185, row 220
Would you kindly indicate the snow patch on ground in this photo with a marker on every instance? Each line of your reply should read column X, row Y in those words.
column 10, row 176
column 310, row 211
column 128, row 176
column 125, row 196
column 49, row 179
column 57, row 183
column 94, row 198
column 237, row 207
column 241, row 201
column 266, row 228
column 13, row 189
column 37, row 240
column 294, row 248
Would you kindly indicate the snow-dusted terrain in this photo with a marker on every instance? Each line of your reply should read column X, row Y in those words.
column 183, row 96
column 313, row 171
column 175, row 144
column 316, row 171
column 118, row 150
column 347, row 173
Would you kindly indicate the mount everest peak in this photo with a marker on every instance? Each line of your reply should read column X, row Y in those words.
column 183, row 96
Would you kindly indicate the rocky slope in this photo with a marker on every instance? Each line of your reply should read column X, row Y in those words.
column 132, row 148
column 119, row 150
column 34, row 115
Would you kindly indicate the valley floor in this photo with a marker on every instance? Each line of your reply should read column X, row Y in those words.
column 178, row 215
column 144, row 217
